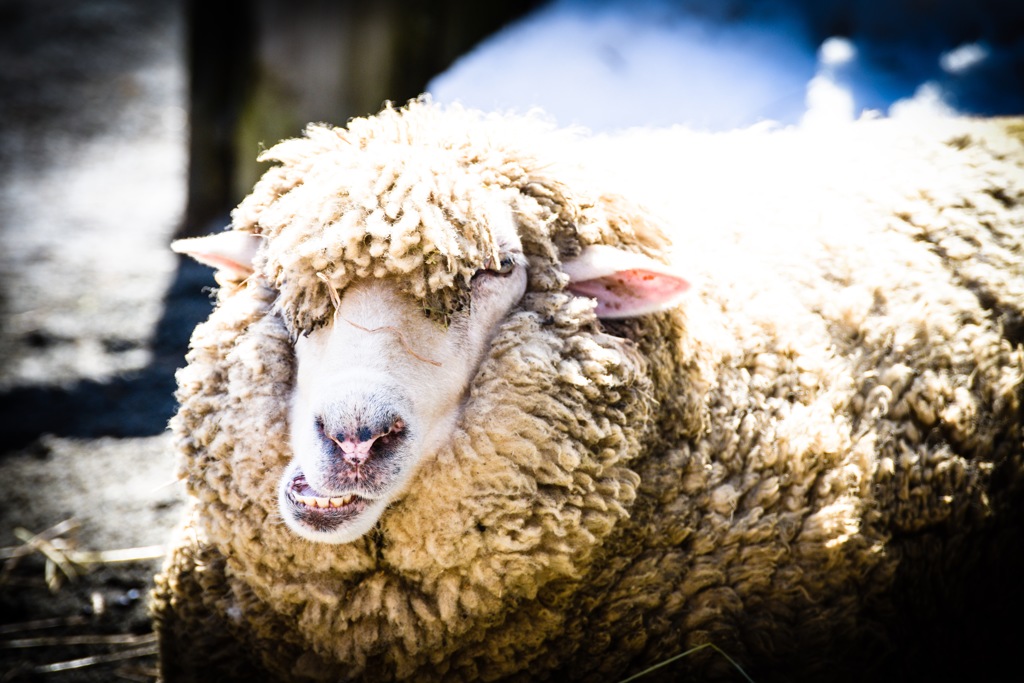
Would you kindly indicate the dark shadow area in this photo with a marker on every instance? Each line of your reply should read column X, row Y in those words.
column 137, row 404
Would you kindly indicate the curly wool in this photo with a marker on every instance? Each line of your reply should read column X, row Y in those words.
column 791, row 464
column 426, row 218
column 441, row 179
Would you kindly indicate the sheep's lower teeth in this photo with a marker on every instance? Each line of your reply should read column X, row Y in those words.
column 317, row 502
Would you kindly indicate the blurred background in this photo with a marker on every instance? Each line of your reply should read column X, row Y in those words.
column 126, row 123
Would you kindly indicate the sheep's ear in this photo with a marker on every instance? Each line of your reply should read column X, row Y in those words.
column 230, row 252
column 625, row 284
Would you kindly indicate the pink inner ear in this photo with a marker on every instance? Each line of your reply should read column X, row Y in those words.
column 230, row 252
column 222, row 262
column 628, row 293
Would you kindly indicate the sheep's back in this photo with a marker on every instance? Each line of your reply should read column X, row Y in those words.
column 862, row 292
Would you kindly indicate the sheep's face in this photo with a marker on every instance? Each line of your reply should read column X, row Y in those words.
column 381, row 388
column 378, row 391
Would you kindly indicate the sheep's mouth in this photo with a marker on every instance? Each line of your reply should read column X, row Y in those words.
column 321, row 511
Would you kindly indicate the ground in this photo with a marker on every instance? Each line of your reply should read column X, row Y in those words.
column 95, row 314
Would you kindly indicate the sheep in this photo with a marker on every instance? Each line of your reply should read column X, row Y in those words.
column 486, row 400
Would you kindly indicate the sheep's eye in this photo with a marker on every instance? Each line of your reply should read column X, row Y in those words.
column 505, row 266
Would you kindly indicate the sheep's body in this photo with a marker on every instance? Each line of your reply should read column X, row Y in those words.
column 820, row 449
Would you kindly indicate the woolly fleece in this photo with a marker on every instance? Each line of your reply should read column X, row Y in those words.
column 819, row 450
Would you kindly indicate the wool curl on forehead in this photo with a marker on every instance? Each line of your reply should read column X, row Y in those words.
column 414, row 194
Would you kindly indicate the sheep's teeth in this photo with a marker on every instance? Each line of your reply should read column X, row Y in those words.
column 318, row 502
column 312, row 501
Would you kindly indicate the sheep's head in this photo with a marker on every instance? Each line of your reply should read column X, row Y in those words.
column 393, row 281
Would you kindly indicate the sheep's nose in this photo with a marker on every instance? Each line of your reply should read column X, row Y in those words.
column 360, row 442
